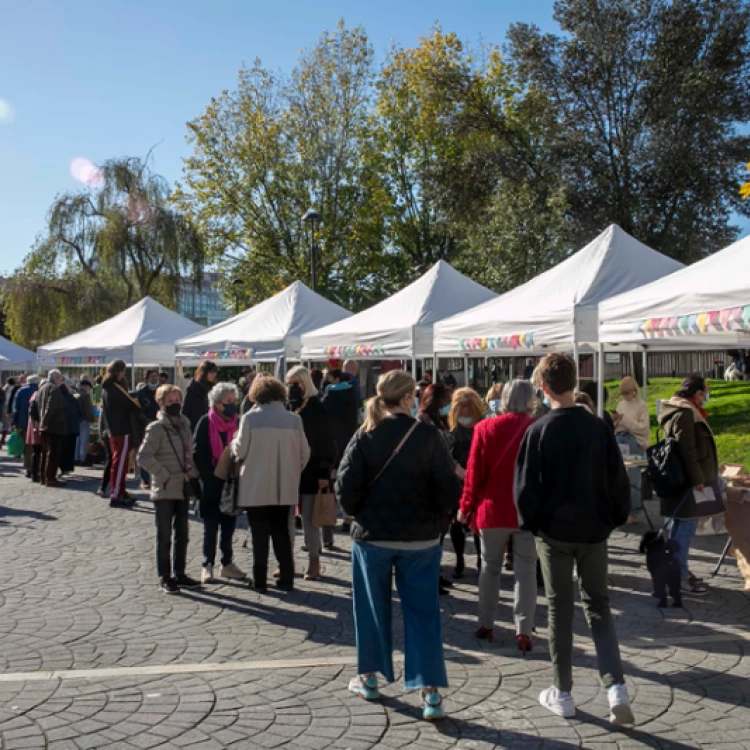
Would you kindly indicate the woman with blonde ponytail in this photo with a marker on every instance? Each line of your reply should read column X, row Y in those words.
column 397, row 480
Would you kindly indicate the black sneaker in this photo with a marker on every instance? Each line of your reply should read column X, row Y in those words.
column 285, row 586
column 169, row 586
column 186, row 581
column 445, row 583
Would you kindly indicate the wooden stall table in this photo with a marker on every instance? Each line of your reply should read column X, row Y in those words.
column 738, row 525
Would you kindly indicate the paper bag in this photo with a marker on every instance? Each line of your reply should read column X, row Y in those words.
column 325, row 512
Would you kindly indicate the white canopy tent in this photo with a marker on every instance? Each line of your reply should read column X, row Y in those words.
column 705, row 305
column 267, row 332
column 142, row 335
column 15, row 358
column 559, row 308
column 400, row 327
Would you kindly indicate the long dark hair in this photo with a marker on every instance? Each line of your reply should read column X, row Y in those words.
column 115, row 370
column 434, row 397
column 691, row 385
column 204, row 369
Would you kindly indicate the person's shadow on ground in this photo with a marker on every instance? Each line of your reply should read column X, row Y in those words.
column 9, row 513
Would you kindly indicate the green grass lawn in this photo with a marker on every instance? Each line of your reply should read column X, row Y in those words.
column 728, row 414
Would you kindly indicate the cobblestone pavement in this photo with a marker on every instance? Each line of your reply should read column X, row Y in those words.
column 93, row 655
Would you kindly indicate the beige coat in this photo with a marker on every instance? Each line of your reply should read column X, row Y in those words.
column 272, row 450
column 635, row 420
column 164, row 464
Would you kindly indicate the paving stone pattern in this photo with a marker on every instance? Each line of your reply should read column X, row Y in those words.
column 225, row 667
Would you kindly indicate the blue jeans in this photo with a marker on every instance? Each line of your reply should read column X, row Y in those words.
column 682, row 531
column 634, row 473
column 417, row 576
column 82, row 442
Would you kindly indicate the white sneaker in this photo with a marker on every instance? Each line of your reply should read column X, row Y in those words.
column 231, row 571
column 207, row 574
column 619, row 705
column 558, row 702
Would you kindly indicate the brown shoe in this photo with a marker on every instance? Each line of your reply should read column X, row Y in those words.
column 54, row 483
column 313, row 570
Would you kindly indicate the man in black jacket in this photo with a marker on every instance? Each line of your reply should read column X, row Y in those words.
column 53, row 427
column 571, row 492
column 120, row 410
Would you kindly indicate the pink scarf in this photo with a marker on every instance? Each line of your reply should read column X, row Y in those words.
column 216, row 425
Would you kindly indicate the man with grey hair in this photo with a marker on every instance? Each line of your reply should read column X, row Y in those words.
column 20, row 417
column 53, row 426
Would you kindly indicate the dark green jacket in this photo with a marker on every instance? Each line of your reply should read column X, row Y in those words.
column 682, row 421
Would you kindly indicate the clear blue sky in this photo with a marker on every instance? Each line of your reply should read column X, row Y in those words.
column 103, row 78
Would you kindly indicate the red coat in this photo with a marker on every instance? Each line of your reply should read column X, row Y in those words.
column 488, row 486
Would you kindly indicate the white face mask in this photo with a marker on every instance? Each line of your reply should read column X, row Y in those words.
column 465, row 421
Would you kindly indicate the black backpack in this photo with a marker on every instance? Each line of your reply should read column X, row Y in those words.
column 665, row 468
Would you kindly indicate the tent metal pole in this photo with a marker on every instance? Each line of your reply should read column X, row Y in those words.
column 600, row 381
column 466, row 371
column 576, row 358
column 435, row 368
column 644, row 387
column 132, row 355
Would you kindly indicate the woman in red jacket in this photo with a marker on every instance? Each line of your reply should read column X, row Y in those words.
column 488, row 501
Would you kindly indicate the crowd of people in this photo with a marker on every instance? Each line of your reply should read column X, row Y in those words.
column 530, row 474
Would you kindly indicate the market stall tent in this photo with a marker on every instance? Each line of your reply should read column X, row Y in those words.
column 15, row 358
column 267, row 332
column 558, row 308
column 142, row 335
column 400, row 327
column 705, row 305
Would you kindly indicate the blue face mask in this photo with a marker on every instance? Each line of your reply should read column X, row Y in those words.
column 708, row 396
column 415, row 408
column 153, row 386
column 465, row 421
column 445, row 410
column 494, row 405
column 546, row 401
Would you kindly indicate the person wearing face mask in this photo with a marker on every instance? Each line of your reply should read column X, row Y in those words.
column 213, row 434
column 87, row 417
column 120, row 409
column 196, row 395
column 433, row 410
column 487, row 503
column 397, row 480
column 53, row 426
column 684, row 418
column 466, row 412
column 316, row 476
column 493, row 399
column 166, row 453
column 146, row 394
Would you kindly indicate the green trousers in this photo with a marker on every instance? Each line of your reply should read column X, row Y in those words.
column 557, row 559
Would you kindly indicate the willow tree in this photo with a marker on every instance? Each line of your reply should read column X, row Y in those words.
column 104, row 248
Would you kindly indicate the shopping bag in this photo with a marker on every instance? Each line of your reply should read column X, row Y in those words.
column 228, row 502
column 15, row 444
column 325, row 511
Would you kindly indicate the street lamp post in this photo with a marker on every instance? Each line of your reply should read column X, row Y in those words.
column 236, row 284
column 312, row 218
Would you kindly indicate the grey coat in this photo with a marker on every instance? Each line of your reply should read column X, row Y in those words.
column 165, row 464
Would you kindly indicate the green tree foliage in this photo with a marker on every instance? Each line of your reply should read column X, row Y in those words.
column 647, row 96
column 105, row 248
column 266, row 152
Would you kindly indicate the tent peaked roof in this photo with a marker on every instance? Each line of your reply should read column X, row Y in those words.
column 145, row 332
column 704, row 304
column 15, row 357
column 560, row 305
column 400, row 326
column 269, row 330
